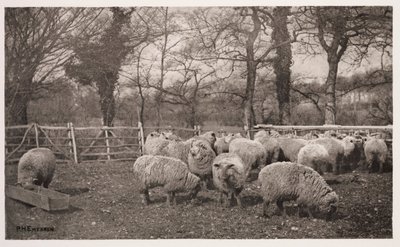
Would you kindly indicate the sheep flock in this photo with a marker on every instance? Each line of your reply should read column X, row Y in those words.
column 288, row 168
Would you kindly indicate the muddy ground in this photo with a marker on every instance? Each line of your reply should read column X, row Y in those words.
column 106, row 205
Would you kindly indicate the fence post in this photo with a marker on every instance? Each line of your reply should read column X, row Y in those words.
column 72, row 133
column 246, row 129
column 107, row 143
column 36, row 134
column 141, row 138
column 199, row 129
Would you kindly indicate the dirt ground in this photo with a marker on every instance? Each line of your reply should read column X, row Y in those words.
column 106, row 205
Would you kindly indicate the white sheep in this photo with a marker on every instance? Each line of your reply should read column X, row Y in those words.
column 285, row 181
column 251, row 152
column 314, row 156
column 36, row 167
column 155, row 142
column 153, row 170
column 229, row 177
column 375, row 153
column 335, row 150
column 270, row 144
column 221, row 145
column 200, row 159
column 289, row 148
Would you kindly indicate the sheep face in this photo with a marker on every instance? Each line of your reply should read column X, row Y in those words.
column 197, row 149
column 27, row 177
column 328, row 205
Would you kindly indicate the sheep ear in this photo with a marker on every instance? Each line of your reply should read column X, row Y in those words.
column 216, row 165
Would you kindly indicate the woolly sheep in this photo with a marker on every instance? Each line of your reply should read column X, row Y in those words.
column 285, row 181
column 153, row 170
column 36, row 167
column 289, row 148
column 200, row 158
column 353, row 151
column 375, row 153
column 271, row 146
column 314, row 156
column 228, row 177
column 251, row 152
column 335, row 150
column 208, row 136
column 221, row 145
column 155, row 142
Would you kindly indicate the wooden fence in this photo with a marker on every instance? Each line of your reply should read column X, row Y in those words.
column 102, row 143
column 77, row 144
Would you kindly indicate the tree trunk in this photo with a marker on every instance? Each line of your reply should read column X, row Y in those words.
column 282, row 63
column 249, row 117
column 107, row 100
column 17, row 112
column 330, row 92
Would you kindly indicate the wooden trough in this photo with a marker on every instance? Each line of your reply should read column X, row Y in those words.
column 41, row 197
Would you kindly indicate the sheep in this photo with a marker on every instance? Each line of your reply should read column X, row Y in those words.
column 285, row 181
column 209, row 136
column 375, row 153
column 314, row 156
column 221, row 145
column 153, row 170
column 271, row 146
column 155, row 142
column 36, row 167
column 289, row 148
column 229, row 177
column 353, row 151
column 335, row 150
column 200, row 159
column 251, row 152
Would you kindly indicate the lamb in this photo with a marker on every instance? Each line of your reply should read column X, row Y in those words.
column 289, row 148
column 375, row 153
column 335, row 150
column 314, row 156
column 153, row 170
column 251, row 152
column 228, row 177
column 36, row 167
column 209, row 136
column 284, row 181
column 271, row 146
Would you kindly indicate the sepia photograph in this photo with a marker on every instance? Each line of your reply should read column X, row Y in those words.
column 145, row 122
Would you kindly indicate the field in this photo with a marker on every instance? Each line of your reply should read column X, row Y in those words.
column 105, row 205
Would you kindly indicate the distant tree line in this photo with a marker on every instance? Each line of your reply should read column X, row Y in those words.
column 225, row 65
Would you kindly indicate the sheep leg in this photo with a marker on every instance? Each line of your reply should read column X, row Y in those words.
column 238, row 200
column 310, row 215
column 173, row 198
column 228, row 200
column 145, row 197
column 221, row 198
column 282, row 209
column 170, row 198
column 265, row 208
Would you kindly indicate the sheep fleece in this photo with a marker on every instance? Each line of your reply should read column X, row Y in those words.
column 171, row 173
column 251, row 152
column 314, row 156
column 37, row 163
column 375, row 151
column 290, row 181
column 233, row 166
column 200, row 158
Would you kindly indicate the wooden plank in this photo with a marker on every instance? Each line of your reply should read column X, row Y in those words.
column 113, row 160
column 74, row 143
column 41, row 197
column 323, row 127
column 107, row 144
column 106, row 128
column 109, row 138
column 54, row 127
column 141, row 140
column 107, row 153
column 22, row 142
column 36, row 135
column 111, row 146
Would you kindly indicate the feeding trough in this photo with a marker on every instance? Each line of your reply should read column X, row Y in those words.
column 41, row 197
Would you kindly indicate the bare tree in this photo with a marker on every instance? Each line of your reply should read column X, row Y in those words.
column 340, row 30
column 36, row 48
